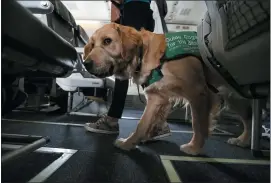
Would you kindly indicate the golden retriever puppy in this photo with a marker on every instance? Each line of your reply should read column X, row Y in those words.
column 127, row 53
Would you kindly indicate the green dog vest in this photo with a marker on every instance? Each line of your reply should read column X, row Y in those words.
column 179, row 45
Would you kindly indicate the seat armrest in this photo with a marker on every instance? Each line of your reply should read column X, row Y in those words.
column 38, row 7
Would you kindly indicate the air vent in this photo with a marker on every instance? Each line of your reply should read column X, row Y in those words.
column 185, row 11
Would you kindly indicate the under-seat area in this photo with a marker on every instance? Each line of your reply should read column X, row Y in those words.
column 48, row 96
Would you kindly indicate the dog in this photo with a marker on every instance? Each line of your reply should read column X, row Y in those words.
column 126, row 53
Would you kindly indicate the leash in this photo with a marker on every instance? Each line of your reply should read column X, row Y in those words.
column 138, row 69
column 139, row 95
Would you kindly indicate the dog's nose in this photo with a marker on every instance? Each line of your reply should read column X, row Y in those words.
column 88, row 65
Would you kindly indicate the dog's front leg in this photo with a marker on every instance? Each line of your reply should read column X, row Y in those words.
column 155, row 112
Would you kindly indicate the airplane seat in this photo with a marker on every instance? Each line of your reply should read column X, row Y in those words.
column 234, row 36
column 27, row 47
column 82, row 37
column 234, row 42
column 80, row 79
column 61, row 21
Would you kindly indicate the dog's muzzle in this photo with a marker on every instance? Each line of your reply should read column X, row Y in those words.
column 89, row 65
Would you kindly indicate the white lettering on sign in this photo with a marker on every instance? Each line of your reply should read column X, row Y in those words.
column 180, row 44
column 170, row 45
column 173, row 38
column 182, row 41
column 190, row 37
column 192, row 43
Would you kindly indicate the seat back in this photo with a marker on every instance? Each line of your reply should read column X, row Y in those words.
column 28, row 46
column 235, row 39
column 62, row 22
column 81, row 36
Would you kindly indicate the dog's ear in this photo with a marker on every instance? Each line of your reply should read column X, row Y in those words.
column 87, row 48
column 130, row 39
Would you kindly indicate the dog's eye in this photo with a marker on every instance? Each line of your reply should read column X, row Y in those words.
column 107, row 41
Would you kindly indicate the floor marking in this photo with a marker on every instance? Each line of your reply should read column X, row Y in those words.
column 82, row 125
column 45, row 122
column 213, row 133
column 215, row 160
column 83, row 114
column 95, row 115
column 171, row 172
column 175, row 178
column 50, row 169
column 224, row 131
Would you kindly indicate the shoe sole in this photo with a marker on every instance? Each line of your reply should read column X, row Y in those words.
column 99, row 131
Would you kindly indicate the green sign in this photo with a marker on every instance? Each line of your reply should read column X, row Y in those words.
column 179, row 43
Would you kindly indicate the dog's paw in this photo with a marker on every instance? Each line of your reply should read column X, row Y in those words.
column 191, row 149
column 239, row 142
column 121, row 143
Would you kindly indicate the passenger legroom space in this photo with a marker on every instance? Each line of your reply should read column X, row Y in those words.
column 97, row 158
